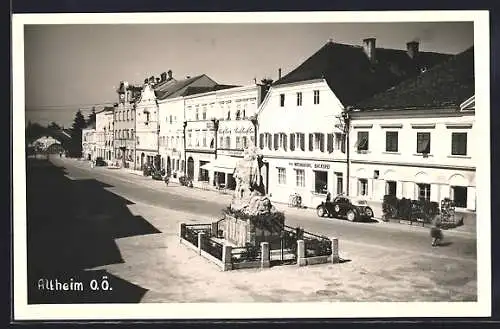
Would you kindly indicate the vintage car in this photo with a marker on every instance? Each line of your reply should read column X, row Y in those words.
column 99, row 162
column 345, row 207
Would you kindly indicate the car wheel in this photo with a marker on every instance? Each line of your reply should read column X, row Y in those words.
column 337, row 208
column 369, row 212
column 320, row 211
column 351, row 216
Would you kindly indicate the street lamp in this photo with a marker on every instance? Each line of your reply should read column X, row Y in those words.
column 255, row 122
column 346, row 125
column 184, row 125
column 216, row 129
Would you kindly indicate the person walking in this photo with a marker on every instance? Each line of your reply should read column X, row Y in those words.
column 436, row 232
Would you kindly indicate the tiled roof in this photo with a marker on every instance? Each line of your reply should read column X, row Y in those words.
column 170, row 87
column 353, row 77
column 448, row 84
column 199, row 90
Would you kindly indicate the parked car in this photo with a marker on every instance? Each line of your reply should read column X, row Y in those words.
column 345, row 207
column 100, row 162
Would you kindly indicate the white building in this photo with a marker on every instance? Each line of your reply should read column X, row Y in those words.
column 303, row 146
column 148, row 119
column 89, row 142
column 171, row 137
column 104, row 134
column 418, row 140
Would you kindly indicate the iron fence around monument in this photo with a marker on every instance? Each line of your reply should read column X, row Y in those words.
column 316, row 245
column 190, row 232
column 246, row 254
column 212, row 247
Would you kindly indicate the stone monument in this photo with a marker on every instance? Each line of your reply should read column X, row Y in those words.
column 251, row 218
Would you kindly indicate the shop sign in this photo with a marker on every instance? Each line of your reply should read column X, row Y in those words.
column 310, row 165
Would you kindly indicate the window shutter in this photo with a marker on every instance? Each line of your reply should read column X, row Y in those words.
column 329, row 143
column 261, row 141
column 311, row 141
column 285, row 141
column 322, row 142
column 276, row 141
column 302, row 142
column 292, row 142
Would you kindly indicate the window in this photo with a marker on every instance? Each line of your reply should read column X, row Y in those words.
column 228, row 115
column 424, row 143
column 170, row 119
column 329, row 143
column 300, row 178
column 204, row 139
column 282, row 100
column 319, row 142
column 390, row 188
column 299, row 99
column 261, row 141
column 301, row 141
column 459, row 143
column 238, row 142
column 269, row 141
column 281, row 176
column 339, row 142
column 228, row 142
column 316, row 97
column 362, row 143
column 283, row 141
column 204, row 114
column 147, row 118
column 276, row 141
column 221, row 141
column 197, row 114
column 238, row 114
column 424, row 191
column 292, row 142
column 190, row 135
column 362, row 187
column 252, row 139
column 340, row 183
column 459, row 195
column 245, row 143
column 391, row 141
column 321, row 182
column 128, row 115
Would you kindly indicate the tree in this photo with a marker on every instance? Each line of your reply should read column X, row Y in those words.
column 75, row 145
column 91, row 117
column 54, row 126
column 34, row 131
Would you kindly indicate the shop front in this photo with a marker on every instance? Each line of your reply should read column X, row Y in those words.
column 221, row 172
column 196, row 170
column 310, row 179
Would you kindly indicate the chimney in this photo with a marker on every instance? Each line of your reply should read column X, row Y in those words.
column 279, row 73
column 369, row 48
column 163, row 77
column 169, row 75
column 412, row 49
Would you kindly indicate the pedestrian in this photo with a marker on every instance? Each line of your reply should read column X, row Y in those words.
column 328, row 197
column 436, row 232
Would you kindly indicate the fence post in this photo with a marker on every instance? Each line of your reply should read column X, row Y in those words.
column 183, row 231
column 226, row 258
column 335, row 250
column 301, row 253
column 214, row 229
column 201, row 236
column 264, row 251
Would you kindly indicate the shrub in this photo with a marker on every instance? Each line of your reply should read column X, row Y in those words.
column 390, row 206
column 407, row 209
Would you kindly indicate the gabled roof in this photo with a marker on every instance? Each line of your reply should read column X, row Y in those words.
column 448, row 84
column 199, row 90
column 170, row 87
column 353, row 77
column 106, row 109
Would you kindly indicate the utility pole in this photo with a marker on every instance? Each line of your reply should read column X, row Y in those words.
column 184, row 124
column 346, row 118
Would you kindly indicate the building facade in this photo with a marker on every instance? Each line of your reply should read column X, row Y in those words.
column 104, row 134
column 171, row 137
column 124, row 125
column 300, row 130
column 418, row 140
column 89, row 143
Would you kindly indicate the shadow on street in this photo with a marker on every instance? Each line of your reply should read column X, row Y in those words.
column 72, row 226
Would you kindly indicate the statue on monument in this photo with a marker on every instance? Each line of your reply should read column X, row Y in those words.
column 249, row 195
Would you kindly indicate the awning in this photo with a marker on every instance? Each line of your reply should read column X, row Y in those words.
column 225, row 165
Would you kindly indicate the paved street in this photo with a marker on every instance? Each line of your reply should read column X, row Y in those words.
column 115, row 223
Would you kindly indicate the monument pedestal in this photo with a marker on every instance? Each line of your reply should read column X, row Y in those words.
column 253, row 230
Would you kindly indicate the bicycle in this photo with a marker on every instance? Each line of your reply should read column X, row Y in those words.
column 295, row 200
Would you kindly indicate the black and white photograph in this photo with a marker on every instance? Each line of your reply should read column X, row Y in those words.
column 251, row 165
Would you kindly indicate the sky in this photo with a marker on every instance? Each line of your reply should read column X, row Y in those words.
column 71, row 67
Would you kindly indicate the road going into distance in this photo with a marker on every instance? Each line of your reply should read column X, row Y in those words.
column 460, row 246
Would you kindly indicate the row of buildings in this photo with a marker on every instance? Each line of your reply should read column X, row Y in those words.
column 359, row 120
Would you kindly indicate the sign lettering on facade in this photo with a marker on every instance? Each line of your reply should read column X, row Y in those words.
column 310, row 165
